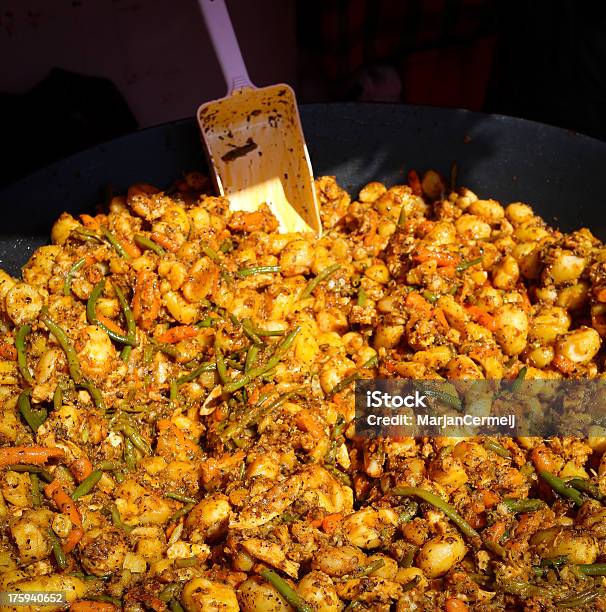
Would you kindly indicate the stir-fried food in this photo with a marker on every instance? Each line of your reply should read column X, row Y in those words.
column 177, row 427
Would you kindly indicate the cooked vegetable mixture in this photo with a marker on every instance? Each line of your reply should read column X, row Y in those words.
column 177, row 426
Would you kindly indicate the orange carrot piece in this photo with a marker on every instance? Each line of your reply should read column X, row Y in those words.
column 414, row 182
column 131, row 248
column 64, row 502
column 489, row 498
column 454, row 604
column 178, row 333
column 89, row 222
column 92, row 606
column 442, row 258
column 8, row 351
column 110, row 324
column 330, row 522
column 74, row 536
column 316, row 523
column 81, row 468
column 438, row 313
column 481, row 316
column 416, row 301
column 37, row 455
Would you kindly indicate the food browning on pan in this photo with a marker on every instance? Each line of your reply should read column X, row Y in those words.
column 177, row 427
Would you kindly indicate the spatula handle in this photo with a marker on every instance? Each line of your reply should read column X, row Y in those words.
column 225, row 44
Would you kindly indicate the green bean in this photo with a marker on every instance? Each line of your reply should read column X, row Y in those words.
column 248, row 329
column 254, row 413
column 402, row 217
column 67, row 281
column 125, row 353
column 517, row 383
column 244, row 272
column 524, row 505
column 586, row 487
column 290, row 595
column 440, row 504
column 34, row 418
column 82, row 232
column 23, row 332
column 338, row 474
column 114, row 242
column 468, row 264
column 525, row 589
column 447, row 398
column 559, row 486
column 212, row 254
column 221, row 367
column 268, row 332
column 206, row 322
column 91, row 316
column 36, row 495
column 168, row 592
column 95, row 394
column 272, row 362
column 251, row 357
column 370, row 569
column 179, row 497
column 362, row 297
column 186, row 562
column 146, row 243
column 138, row 441
column 173, row 392
column 580, row 599
column 105, row 598
column 31, row 469
column 167, row 349
column 207, row 366
column 117, row 519
column 130, row 457
column 181, row 512
column 227, row 246
column 344, row 383
column 60, row 557
column 321, row 276
column 431, row 297
column 119, row 476
column 108, row 466
column 592, row 569
column 58, row 396
column 373, row 362
column 495, row 447
column 65, row 343
column 175, row 606
column 87, row 485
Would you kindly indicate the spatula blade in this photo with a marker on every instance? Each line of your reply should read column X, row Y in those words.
column 255, row 146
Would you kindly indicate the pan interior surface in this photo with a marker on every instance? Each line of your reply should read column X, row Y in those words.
column 557, row 171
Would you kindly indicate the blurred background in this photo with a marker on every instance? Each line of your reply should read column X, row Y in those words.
column 75, row 73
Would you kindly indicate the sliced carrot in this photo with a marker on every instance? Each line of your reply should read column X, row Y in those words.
column 74, row 536
column 92, row 606
column 481, row 316
column 565, row 365
column 414, row 182
column 442, row 258
column 64, row 502
column 37, row 455
column 170, row 529
column 81, row 468
column 454, row 604
column 110, row 324
column 415, row 301
column 178, row 333
column 316, row 523
column 307, row 422
column 490, row 499
column 165, row 241
column 331, row 522
column 146, row 299
column 8, row 351
column 438, row 313
column 89, row 222
column 600, row 294
column 131, row 248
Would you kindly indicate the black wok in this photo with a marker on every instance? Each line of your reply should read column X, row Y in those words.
column 559, row 172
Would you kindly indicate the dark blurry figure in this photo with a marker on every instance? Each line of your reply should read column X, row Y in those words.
column 551, row 63
column 436, row 52
column 63, row 114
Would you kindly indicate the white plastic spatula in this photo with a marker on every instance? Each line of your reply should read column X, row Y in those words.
column 253, row 138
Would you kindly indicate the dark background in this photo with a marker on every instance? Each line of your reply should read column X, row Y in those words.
column 77, row 72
